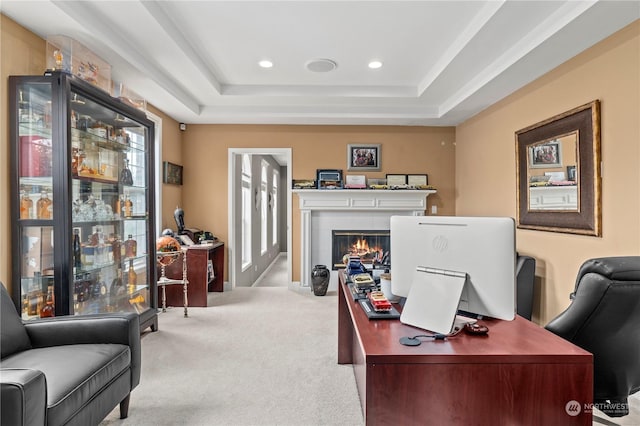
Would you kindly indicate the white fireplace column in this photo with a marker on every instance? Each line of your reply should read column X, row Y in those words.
column 351, row 201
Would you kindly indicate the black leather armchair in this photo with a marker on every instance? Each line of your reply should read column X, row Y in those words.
column 604, row 319
column 69, row 370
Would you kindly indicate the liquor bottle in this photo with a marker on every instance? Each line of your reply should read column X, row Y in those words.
column 95, row 291
column 133, row 277
column 80, row 294
column 126, row 177
column 26, row 205
column 130, row 247
column 102, row 290
column 79, row 157
column 128, row 206
column 44, row 206
column 117, row 289
column 116, row 249
column 88, row 253
column 48, row 310
column 74, row 161
column 100, row 253
column 35, row 295
column 77, row 251
column 120, row 204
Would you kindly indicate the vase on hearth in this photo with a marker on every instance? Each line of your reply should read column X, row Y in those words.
column 320, row 280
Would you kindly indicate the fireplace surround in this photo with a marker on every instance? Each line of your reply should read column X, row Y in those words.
column 322, row 210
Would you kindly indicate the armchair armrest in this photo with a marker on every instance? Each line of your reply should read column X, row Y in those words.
column 119, row 328
column 23, row 397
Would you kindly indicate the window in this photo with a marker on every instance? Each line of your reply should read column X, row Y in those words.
column 246, row 210
column 274, row 207
column 263, row 207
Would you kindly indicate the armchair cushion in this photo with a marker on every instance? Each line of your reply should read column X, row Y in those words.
column 13, row 335
column 74, row 374
column 121, row 329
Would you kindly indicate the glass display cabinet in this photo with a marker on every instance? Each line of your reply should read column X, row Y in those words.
column 82, row 201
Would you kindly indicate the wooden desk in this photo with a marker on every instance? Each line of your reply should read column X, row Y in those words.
column 200, row 282
column 519, row 373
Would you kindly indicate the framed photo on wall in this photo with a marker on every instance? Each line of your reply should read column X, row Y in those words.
column 363, row 157
column 172, row 173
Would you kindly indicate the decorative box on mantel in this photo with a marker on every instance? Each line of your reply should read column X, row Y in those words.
column 411, row 202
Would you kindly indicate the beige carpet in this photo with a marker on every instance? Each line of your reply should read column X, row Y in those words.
column 276, row 273
column 262, row 355
column 255, row 356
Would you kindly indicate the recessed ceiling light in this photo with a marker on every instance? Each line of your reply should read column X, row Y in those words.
column 265, row 63
column 375, row 64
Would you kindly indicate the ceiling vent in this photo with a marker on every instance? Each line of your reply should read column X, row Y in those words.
column 321, row 65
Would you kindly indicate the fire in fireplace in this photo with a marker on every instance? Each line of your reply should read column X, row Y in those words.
column 371, row 246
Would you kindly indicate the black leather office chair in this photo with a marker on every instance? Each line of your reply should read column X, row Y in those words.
column 525, row 278
column 604, row 319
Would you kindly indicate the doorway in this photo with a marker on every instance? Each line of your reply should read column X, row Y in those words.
column 283, row 157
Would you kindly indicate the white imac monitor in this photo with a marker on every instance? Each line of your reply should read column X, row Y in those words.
column 482, row 247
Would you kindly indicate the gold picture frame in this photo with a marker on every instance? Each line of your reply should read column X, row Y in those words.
column 581, row 125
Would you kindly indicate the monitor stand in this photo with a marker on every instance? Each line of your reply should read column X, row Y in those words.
column 433, row 300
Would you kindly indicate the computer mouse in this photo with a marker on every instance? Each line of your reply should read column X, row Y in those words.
column 476, row 329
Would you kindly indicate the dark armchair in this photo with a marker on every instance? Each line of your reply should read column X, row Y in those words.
column 604, row 319
column 67, row 370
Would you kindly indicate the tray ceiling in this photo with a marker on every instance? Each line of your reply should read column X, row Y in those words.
column 442, row 61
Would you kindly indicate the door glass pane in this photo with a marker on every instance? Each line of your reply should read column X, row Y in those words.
column 36, row 254
column 109, row 214
column 36, row 153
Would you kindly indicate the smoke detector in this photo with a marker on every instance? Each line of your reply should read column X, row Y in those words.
column 321, row 65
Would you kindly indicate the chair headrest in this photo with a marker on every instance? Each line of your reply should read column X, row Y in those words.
column 621, row 268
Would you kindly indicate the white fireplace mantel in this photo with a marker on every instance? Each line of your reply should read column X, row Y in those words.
column 408, row 202
column 363, row 199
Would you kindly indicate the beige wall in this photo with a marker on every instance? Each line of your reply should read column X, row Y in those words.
column 485, row 161
column 172, row 152
column 405, row 150
column 22, row 53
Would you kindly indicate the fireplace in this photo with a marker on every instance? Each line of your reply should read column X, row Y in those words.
column 322, row 209
column 372, row 246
